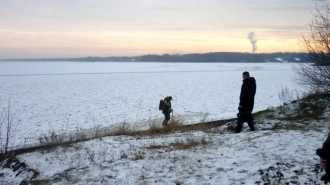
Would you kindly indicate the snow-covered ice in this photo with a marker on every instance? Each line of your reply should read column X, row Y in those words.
column 75, row 96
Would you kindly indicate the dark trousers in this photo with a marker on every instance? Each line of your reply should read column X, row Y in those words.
column 240, row 123
column 167, row 118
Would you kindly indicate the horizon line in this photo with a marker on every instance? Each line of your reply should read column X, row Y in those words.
column 83, row 57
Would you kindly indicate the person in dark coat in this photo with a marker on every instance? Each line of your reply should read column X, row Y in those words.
column 248, row 91
column 324, row 154
column 167, row 109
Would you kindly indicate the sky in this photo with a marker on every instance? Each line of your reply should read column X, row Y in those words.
column 72, row 28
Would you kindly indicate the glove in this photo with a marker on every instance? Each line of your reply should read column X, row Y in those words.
column 170, row 110
column 322, row 153
column 326, row 178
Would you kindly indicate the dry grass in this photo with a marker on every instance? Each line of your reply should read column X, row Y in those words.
column 198, row 127
column 180, row 145
column 268, row 113
column 306, row 110
column 289, row 127
column 122, row 129
column 40, row 182
column 155, row 129
column 310, row 106
column 315, row 96
column 48, row 142
column 184, row 146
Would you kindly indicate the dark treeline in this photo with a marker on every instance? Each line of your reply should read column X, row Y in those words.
column 196, row 57
column 226, row 57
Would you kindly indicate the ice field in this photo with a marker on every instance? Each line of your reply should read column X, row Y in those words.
column 75, row 96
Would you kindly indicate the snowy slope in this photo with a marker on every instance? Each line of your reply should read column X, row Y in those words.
column 285, row 150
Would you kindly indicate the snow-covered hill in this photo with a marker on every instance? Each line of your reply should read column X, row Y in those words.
column 281, row 151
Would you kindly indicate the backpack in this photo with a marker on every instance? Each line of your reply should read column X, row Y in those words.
column 161, row 104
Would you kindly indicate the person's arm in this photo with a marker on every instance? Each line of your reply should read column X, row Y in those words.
column 326, row 148
column 166, row 107
column 324, row 154
column 244, row 95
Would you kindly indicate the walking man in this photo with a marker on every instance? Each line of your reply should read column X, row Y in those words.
column 167, row 109
column 248, row 91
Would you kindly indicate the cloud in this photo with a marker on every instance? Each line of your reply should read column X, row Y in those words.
column 174, row 28
column 281, row 8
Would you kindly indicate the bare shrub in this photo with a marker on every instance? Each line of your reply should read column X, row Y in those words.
column 97, row 127
column 50, row 138
column 8, row 127
column 286, row 95
column 315, row 75
column 204, row 117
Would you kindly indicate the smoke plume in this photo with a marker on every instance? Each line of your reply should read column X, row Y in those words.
column 253, row 41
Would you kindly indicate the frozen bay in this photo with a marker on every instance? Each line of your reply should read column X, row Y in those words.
column 74, row 96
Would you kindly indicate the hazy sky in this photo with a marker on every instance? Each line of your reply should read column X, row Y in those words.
column 79, row 28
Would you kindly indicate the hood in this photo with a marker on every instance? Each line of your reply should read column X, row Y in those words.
column 250, row 79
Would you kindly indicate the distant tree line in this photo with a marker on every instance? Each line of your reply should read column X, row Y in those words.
column 226, row 57
column 194, row 57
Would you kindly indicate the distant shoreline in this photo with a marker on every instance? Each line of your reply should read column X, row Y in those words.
column 216, row 57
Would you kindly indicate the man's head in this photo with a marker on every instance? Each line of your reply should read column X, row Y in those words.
column 246, row 75
column 170, row 98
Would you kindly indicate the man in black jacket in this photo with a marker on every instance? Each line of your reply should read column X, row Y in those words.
column 167, row 109
column 324, row 154
column 246, row 103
